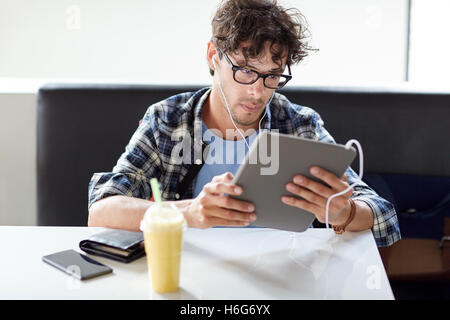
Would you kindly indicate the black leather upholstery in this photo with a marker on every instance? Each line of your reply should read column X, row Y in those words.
column 84, row 128
column 401, row 131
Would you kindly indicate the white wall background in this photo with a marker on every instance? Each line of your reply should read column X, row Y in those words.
column 147, row 41
column 17, row 159
column 165, row 42
column 430, row 44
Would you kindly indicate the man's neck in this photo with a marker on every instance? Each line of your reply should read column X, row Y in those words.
column 216, row 116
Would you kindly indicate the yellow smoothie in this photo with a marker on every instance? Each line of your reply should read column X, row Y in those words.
column 163, row 239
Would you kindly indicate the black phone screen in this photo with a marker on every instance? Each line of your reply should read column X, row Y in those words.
column 76, row 264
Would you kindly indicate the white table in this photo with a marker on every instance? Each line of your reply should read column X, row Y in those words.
column 219, row 263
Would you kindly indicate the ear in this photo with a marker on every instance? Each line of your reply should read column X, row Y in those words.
column 210, row 53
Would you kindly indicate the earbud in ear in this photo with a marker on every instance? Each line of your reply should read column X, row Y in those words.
column 214, row 60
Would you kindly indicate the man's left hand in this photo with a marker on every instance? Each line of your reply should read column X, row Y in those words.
column 315, row 195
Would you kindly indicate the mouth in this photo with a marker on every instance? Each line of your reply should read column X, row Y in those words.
column 250, row 107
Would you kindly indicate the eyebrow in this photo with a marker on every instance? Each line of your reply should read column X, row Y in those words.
column 279, row 69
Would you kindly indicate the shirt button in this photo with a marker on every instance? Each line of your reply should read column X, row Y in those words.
column 177, row 196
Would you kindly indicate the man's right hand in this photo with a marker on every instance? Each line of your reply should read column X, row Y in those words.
column 213, row 208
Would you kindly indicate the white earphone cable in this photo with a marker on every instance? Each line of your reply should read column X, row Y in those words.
column 361, row 170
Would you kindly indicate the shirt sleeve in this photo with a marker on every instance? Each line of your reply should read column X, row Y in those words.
column 386, row 230
column 136, row 166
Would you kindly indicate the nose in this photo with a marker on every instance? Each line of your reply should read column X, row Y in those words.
column 256, row 89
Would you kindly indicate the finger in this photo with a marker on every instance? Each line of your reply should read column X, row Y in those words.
column 302, row 204
column 228, row 214
column 215, row 221
column 227, row 176
column 312, row 197
column 344, row 177
column 329, row 178
column 318, row 212
column 233, row 204
column 335, row 204
column 222, row 187
column 320, row 188
column 316, row 187
column 348, row 194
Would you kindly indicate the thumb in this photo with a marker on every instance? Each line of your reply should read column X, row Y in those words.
column 228, row 176
column 225, row 177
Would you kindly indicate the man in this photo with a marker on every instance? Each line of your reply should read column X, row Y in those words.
column 254, row 43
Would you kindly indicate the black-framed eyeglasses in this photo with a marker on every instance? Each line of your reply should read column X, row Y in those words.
column 247, row 76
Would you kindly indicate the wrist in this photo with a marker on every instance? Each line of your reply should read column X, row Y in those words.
column 340, row 228
column 343, row 215
column 184, row 206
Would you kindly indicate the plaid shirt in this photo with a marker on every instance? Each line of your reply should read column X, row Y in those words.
column 150, row 153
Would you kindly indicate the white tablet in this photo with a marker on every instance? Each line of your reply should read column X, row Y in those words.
column 272, row 161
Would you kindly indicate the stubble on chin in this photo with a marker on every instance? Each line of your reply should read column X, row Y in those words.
column 243, row 120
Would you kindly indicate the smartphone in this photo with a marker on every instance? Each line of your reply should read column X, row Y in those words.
column 76, row 264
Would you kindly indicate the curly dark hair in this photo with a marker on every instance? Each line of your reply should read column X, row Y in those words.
column 261, row 22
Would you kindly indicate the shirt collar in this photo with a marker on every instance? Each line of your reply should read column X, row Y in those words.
column 198, row 107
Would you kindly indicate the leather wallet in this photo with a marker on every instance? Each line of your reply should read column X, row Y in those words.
column 120, row 245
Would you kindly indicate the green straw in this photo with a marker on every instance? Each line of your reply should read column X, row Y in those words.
column 155, row 190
